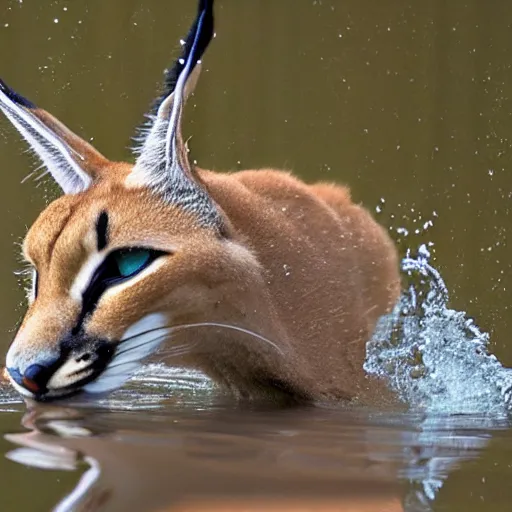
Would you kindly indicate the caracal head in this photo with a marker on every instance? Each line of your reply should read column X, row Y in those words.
column 125, row 251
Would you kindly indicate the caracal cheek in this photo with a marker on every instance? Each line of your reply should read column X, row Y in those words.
column 122, row 305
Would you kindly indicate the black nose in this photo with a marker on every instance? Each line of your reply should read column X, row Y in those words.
column 36, row 376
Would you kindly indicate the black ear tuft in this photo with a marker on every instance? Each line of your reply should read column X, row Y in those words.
column 205, row 35
column 162, row 164
column 14, row 96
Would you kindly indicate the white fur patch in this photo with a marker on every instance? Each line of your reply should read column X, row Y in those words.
column 53, row 151
column 43, row 459
column 73, row 500
column 67, row 374
column 139, row 340
column 9, row 358
column 84, row 275
column 33, row 282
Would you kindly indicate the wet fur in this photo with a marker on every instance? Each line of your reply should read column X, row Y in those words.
column 300, row 265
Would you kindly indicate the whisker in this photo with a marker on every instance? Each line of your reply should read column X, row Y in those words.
column 147, row 342
column 171, row 353
column 42, row 174
column 232, row 327
column 154, row 340
column 143, row 333
column 131, row 351
column 176, row 353
column 203, row 324
column 28, row 176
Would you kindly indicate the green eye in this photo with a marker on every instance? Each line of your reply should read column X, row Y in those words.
column 132, row 261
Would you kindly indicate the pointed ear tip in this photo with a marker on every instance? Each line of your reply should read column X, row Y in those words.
column 205, row 4
column 14, row 96
column 4, row 87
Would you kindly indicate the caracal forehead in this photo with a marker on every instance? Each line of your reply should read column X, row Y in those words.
column 135, row 217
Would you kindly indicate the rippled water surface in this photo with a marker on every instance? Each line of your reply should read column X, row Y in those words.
column 198, row 452
column 408, row 103
column 171, row 440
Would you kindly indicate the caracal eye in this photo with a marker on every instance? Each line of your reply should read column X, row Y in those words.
column 131, row 261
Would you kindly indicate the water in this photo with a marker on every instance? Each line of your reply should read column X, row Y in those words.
column 408, row 103
column 435, row 357
column 170, row 439
column 219, row 454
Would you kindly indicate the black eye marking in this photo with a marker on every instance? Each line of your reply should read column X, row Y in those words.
column 108, row 274
column 102, row 230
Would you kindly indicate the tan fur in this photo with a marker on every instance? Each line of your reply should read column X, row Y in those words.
column 301, row 266
column 304, row 267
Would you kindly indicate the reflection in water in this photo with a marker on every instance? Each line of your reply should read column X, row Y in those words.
column 444, row 442
column 205, row 450
column 155, row 385
column 367, row 459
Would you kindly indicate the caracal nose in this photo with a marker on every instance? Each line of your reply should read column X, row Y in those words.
column 35, row 377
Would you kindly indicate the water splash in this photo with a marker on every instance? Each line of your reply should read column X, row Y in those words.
column 153, row 384
column 434, row 357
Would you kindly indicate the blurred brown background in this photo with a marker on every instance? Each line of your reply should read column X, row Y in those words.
column 403, row 100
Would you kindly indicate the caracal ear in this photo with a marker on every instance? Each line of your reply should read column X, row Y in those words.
column 162, row 164
column 72, row 162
